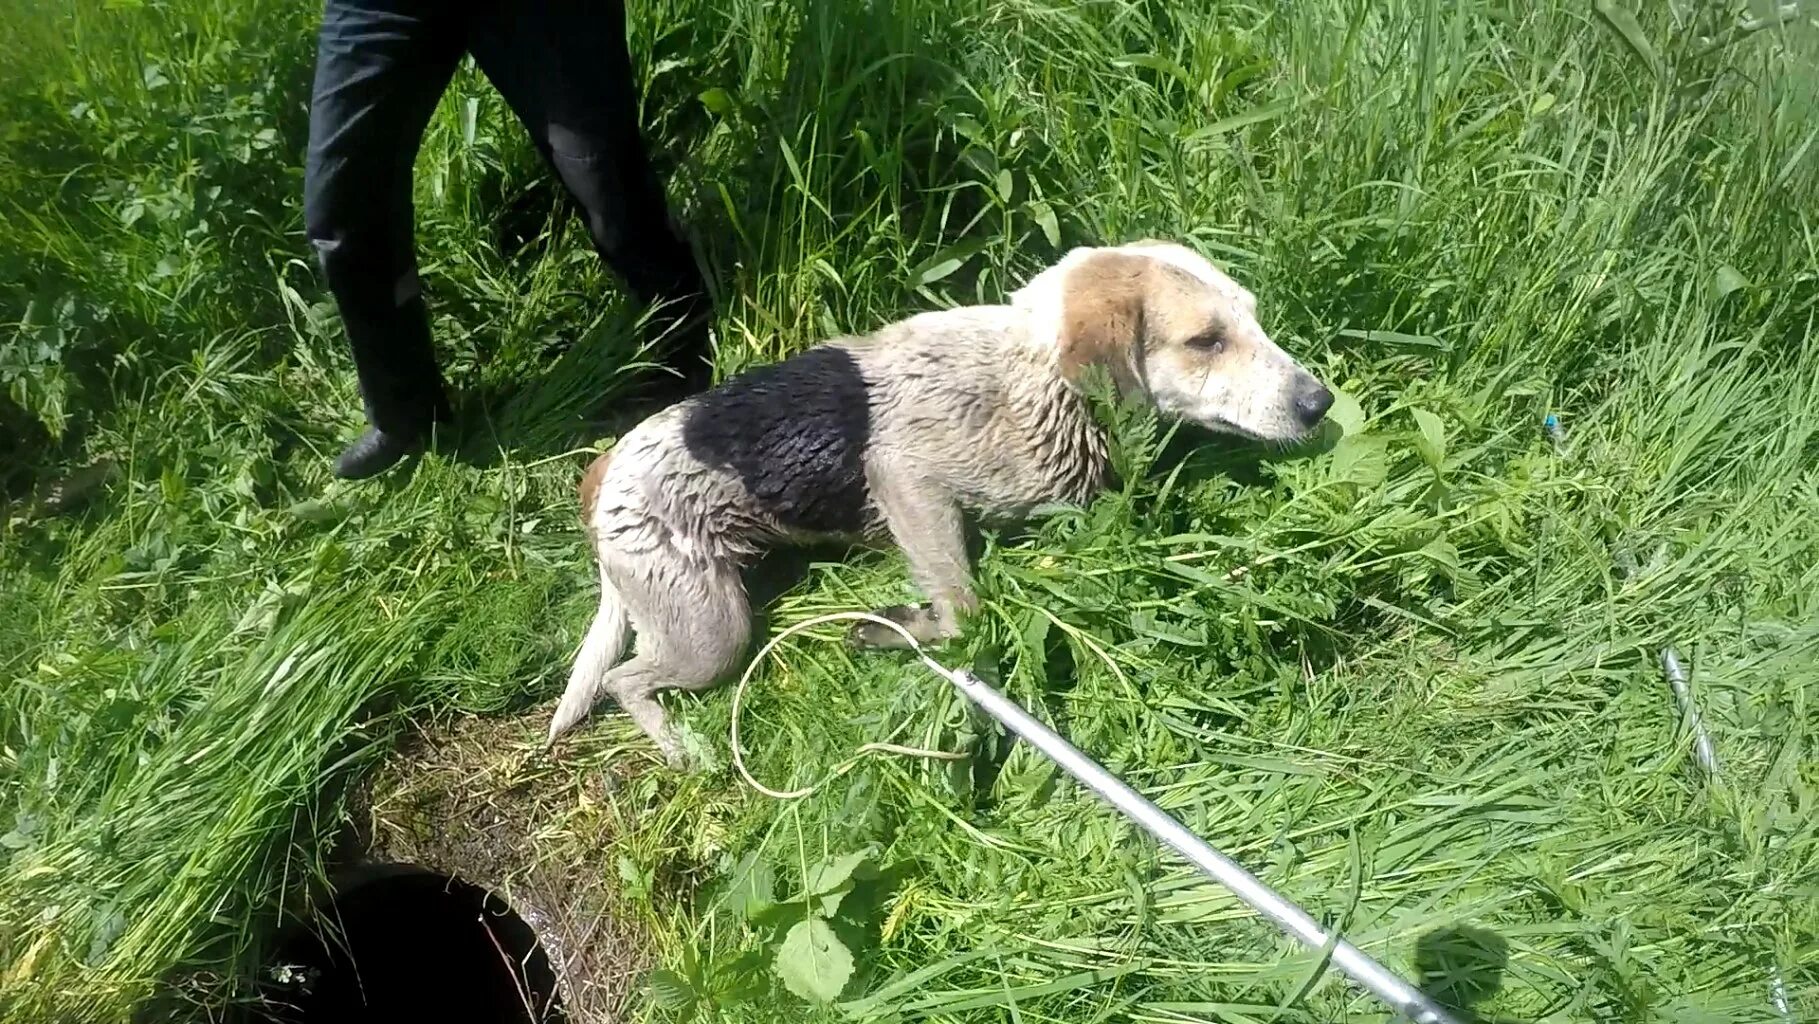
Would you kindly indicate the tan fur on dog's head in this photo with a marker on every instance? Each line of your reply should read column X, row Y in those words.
column 1170, row 326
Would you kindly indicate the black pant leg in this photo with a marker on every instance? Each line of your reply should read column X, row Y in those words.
column 381, row 66
column 564, row 67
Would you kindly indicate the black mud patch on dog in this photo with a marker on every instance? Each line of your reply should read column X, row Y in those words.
column 795, row 433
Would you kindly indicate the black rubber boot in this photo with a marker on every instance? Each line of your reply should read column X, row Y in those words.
column 373, row 453
column 681, row 333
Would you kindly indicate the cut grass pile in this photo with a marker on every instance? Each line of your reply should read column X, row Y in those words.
column 1401, row 676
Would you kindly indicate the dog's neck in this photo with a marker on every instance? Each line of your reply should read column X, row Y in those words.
column 1074, row 459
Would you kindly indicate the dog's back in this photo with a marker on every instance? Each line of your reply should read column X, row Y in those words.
column 794, row 434
column 791, row 450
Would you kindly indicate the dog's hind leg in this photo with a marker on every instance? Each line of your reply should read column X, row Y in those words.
column 693, row 626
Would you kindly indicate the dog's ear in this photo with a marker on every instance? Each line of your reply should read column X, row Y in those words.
column 1102, row 311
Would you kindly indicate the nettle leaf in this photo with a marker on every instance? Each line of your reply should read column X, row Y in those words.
column 1361, row 460
column 1443, row 556
column 671, row 990
column 1347, row 413
column 740, row 980
column 638, row 881
column 1432, row 441
column 812, row 961
column 753, row 890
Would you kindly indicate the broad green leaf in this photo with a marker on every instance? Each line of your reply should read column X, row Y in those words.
column 1727, row 279
column 943, row 263
column 315, row 510
column 834, row 872
column 829, row 902
column 671, row 990
column 1361, row 460
column 753, row 890
column 718, row 101
column 1044, row 216
column 637, row 880
column 812, row 961
column 1347, row 413
column 1432, row 440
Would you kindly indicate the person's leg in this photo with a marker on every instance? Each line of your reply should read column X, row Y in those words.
column 379, row 72
column 564, row 67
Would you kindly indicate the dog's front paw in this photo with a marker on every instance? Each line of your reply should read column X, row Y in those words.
column 873, row 636
column 685, row 752
column 679, row 759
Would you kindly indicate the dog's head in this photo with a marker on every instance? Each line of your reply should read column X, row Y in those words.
column 1168, row 325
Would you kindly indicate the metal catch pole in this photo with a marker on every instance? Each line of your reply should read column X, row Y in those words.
column 1707, row 756
column 1358, row 965
column 1683, row 693
column 1703, row 750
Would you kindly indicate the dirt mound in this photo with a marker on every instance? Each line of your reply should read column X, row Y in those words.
column 477, row 799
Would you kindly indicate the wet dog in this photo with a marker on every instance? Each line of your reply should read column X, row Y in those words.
column 899, row 434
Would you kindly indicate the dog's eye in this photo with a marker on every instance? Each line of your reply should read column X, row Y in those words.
column 1210, row 343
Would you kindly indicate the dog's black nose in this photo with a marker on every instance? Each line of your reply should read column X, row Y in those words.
column 1311, row 402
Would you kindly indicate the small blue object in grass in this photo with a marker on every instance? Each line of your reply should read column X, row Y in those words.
column 1555, row 433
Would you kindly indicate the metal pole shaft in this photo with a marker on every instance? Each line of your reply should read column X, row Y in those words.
column 1703, row 749
column 1357, row 965
column 1702, row 740
column 1708, row 760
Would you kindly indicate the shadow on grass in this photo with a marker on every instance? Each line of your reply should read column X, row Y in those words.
column 1202, row 453
column 1462, row 968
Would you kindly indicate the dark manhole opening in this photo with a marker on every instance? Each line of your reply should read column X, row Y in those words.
column 403, row 944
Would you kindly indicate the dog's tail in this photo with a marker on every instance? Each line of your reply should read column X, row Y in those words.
column 606, row 637
column 601, row 649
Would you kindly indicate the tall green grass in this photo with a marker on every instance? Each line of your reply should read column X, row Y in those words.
column 1403, row 677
